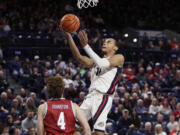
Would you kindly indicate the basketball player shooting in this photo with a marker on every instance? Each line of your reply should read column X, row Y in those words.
column 57, row 116
column 105, row 74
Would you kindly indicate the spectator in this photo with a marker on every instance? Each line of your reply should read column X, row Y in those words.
column 124, row 123
column 150, row 75
column 114, row 109
column 148, row 99
column 135, row 120
column 21, row 103
column 157, row 69
column 23, row 93
column 173, row 103
column 127, row 104
column 60, row 63
column 25, row 71
column 121, row 91
column 141, row 75
column 134, row 99
column 81, row 97
column 78, row 83
column 177, row 83
column 70, row 92
column 5, row 131
column 72, row 69
column 154, row 107
column 161, row 45
column 30, row 105
column 15, row 68
column 10, row 94
column 48, row 68
column 175, row 130
column 44, row 94
column 136, row 88
column 36, row 81
column 161, row 100
column 28, row 122
column 37, row 63
column 16, row 105
column 3, row 82
column 161, row 122
column 171, row 123
column 150, row 45
column 31, row 131
column 175, row 45
column 11, row 126
column 165, row 108
column 115, row 114
column 148, row 129
column 140, row 107
column 36, row 100
column 4, row 103
column 67, row 80
column 9, row 122
column 159, row 130
column 177, row 111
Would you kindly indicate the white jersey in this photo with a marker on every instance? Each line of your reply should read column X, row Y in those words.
column 104, row 80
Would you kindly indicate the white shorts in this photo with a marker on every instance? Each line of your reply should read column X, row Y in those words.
column 97, row 106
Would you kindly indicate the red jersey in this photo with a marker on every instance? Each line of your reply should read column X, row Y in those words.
column 59, row 117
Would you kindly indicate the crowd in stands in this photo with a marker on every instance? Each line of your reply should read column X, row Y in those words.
column 19, row 15
column 146, row 102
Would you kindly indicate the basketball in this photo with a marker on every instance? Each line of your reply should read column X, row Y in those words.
column 70, row 23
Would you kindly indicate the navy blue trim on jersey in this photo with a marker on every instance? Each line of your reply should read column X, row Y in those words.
column 77, row 122
column 98, row 130
column 114, row 82
column 100, row 108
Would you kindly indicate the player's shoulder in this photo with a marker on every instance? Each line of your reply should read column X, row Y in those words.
column 41, row 109
column 118, row 57
column 42, row 106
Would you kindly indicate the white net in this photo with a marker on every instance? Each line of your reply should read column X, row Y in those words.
column 86, row 3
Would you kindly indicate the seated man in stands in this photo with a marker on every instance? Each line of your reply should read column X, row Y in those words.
column 124, row 123
column 148, row 129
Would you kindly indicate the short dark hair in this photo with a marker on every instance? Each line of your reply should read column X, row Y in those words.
column 55, row 86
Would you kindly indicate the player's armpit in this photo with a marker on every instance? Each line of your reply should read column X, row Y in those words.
column 117, row 60
column 40, row 125
column 86, row 61
column 82, row 120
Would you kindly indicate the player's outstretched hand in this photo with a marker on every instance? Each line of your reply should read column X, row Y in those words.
column 83, row 38
column 64, row 33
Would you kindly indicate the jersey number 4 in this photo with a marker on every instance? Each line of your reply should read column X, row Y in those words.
column 61, row 121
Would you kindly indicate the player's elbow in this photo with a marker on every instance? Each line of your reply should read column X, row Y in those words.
column 78, row 57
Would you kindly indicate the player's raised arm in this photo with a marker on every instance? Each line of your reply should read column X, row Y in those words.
column 40, row 125
column 82, row 120
column 82, row 59
column 115, row 60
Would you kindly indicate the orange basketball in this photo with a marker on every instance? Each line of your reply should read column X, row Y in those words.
column 70, row 23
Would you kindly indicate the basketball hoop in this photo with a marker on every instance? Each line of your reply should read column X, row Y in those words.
column 86, row 3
